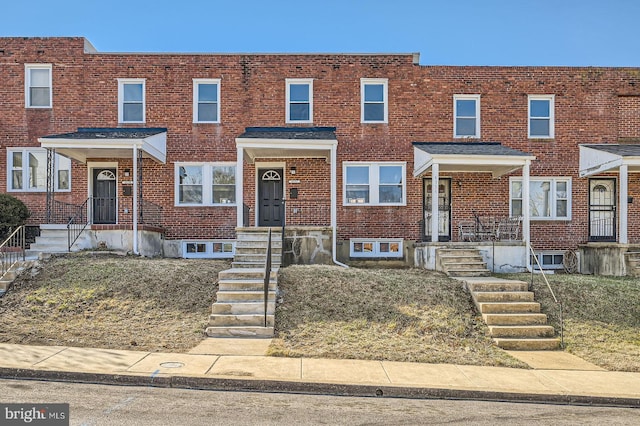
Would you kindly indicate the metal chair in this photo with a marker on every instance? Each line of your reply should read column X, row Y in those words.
column 508, row 228
column 467, row 231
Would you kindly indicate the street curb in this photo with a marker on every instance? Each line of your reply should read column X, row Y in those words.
column 312, row 388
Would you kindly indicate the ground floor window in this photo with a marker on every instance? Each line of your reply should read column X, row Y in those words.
column 208, row 249
column 374, row 183
column 27, row 170
column 375, row 248
column 205, row 184
column 549, row 198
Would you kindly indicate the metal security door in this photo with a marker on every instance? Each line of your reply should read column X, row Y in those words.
column 270, row 191
column 602, row 209
column 104, row 196
column 444, row 209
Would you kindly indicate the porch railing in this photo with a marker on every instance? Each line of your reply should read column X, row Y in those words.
column 553, row 295
column 12, row 250
column 267, row 277
column 77, row 223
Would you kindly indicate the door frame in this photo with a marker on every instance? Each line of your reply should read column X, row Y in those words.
column 425, row 182
column 90, row 168
column 267, row 165
column 614, row 210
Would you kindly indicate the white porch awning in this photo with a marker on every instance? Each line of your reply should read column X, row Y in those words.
column 109, row 143
column 600, row 158
column 465, row 157
column 287, row 142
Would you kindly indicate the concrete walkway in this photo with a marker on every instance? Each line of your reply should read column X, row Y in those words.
column 240, row 364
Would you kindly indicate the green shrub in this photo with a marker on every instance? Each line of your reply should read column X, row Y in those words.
column 13, row 213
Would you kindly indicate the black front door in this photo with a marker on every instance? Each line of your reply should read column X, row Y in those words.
column 270, row 191
column 602, row 209
column 104, row 196
column 444, row 209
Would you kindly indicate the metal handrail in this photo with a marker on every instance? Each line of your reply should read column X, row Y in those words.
column 267, row 276
column 77, row 223
column 9, row 256
column 544, row 276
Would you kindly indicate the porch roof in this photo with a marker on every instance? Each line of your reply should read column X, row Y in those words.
column 599, row 158
column 90, row 142
column 466, row 157
column 287, row 142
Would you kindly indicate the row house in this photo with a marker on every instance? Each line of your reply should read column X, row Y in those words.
column 358, row 156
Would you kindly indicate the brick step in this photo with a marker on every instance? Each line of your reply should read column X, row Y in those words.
column 515, row 319
column 521, row 331
column 244, row 296
column 514, row 344
column 488, row 285
column 252, row 320
column 246, row 331
column 508, row 307
column 502, row 296
column 246, row 273
column 242, row 308
column 245, row 285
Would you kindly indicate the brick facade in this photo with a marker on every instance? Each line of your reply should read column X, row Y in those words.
column 592, row 105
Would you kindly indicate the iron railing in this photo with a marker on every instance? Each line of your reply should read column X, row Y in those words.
column 12, row 250
column 555, row 299
column 246, row 213
column 267, row 277
column 77, row 223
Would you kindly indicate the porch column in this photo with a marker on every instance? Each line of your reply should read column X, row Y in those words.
column 624, row 206
column 239, row 187
column 135, row 199
column 435, row 220
column 526, row 223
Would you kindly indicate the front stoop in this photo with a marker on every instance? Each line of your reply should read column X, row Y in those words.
column 6, row 280
column 512, row 315
column 462, row 262
column 239, row 307
column 632, row 261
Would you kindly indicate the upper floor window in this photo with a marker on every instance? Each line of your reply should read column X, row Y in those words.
column 541, row 116
column 466, row 110
column 38, row 92
column 299, row 100
column 373, row 93
column 131, row 100
column 27, row 170
column 549, row 198
column 205, row 184
column 374, row 183
column 206, row 100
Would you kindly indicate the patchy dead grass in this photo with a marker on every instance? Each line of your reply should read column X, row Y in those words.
column 380, row 314
column 601, row 316
column 114, row 302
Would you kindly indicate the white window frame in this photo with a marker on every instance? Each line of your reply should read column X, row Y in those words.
column 27, row 85
column 541, row 254
column 121, row 84
column 554, row 199
column 374, row 182
column 551, row 118
column 209, row 252
column 197, row 82
column 207, row 183
column 385, row 92
column 288, row 83
column 25, row 170
column 457, row 98
column 375, row 253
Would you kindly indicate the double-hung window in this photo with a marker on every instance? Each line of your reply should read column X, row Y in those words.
column 466, row 110
column 373, row 93
column 206, row 100
column 549, row 198
column 205, row 184
column 374, row 184
column 541, row 116
column 27, row 170
column 131, row 100
column 38, row 87
column 299, row 100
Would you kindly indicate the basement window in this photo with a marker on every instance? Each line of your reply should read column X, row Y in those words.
column 379, row 248
column 216, row 249
column 549, row 260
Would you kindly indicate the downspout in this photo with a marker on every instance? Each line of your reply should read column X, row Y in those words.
column 526, row 214
column 135, row 199
column 334, row 209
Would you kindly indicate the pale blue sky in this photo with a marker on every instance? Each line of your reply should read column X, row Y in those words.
column 444, row 32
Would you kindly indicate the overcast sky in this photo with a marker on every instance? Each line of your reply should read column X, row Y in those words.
column 444, row 32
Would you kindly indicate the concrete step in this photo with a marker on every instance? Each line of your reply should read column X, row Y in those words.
column 253, row 265
column 244, row 296
column 263, row 237
column 514, row 344
column 245, row 285
column 48, row 247
column 256, row 257
column 502, row 296
column 246, row 273
column 246, row 331
column 463, row 266
column 460, row 259
column 488, row 285
column 508, row 307
column 242, row 308
column 469, row 273
column 258, row 244
column 457, row 252
column 515, row 319
column 240, row 320
column 521, row 331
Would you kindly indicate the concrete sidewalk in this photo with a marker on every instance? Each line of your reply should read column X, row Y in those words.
column 238, row 364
